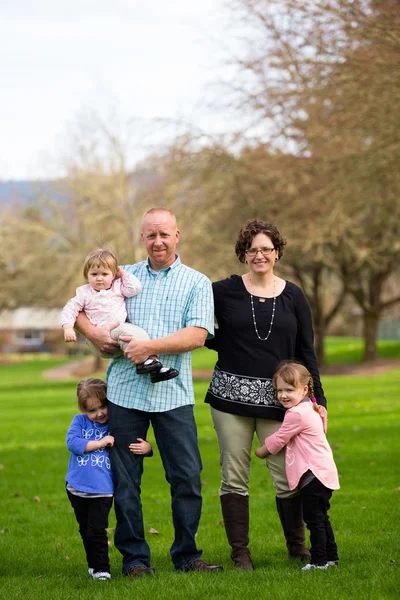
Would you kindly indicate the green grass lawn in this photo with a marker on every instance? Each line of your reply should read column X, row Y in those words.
column 41, row 555
column 339, row 350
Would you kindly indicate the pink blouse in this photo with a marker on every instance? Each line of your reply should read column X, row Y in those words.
column 306, row 446
column 103, row 307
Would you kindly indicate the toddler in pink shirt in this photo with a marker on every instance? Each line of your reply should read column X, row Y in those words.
column 102, row 299
column 310, row 466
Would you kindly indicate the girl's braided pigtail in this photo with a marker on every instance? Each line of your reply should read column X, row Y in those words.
column 311, row 393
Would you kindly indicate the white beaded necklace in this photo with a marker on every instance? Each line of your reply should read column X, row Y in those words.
column 254, row 314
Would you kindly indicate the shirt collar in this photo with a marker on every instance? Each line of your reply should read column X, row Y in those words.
column 174, row 265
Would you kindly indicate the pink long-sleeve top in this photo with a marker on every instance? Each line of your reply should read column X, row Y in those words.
column 306, row 446
column 103, row 307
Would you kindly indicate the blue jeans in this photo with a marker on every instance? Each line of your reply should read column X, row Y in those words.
column 176, row 436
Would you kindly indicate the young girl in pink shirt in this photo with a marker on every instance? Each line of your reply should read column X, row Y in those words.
column 309, row 461
column 103, row 301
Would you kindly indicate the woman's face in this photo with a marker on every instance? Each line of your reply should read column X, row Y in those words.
column 260, row 262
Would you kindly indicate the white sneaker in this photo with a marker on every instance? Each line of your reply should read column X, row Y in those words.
column 101, row 575
column 333, row 563
column 90, row 571
column 310, row 566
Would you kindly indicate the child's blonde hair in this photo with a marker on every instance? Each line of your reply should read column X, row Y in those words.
column 90, row 388
column 100, row 258
column 298, row 376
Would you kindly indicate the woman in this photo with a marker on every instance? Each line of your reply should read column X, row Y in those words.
column 262, row 320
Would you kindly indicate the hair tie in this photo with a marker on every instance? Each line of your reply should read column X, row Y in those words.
column 313, row 399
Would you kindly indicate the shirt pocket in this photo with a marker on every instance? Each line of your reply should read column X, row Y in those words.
column 170, row 310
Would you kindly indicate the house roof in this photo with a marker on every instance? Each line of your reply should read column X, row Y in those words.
column 30, row 318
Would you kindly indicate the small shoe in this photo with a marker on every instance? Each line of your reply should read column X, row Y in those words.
column 200, row 566
column 148, row 366
column 164, row 374
column 332, row 563
column 101, row 575
column 90, row 571
column 139, row 570
column 312, row 566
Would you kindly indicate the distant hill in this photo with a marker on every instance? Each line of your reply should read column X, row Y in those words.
column 24, row 193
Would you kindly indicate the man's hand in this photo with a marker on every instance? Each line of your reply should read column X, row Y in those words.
column 323, row 413
column 137, row 350
column 101, row 339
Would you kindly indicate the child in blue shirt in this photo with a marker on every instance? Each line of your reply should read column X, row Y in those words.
column 89, row 480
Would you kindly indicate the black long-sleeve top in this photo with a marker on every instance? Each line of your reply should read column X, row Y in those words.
column 241, row 382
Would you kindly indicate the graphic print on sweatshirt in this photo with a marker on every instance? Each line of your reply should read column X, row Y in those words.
column 97, row 457
column 87, row 434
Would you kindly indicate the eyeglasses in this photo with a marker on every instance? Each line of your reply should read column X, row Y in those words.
column 255, row 251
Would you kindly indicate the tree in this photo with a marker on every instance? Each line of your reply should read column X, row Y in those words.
column 317, row 75
column 29, row 264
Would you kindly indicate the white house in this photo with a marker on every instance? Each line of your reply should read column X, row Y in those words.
column 30, row 330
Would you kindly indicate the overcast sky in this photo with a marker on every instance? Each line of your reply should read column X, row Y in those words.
column 148, row 59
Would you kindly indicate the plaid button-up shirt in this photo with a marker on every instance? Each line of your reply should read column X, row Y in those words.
column 171, row 299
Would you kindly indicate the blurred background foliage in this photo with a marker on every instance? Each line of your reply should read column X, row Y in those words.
column 317, row 96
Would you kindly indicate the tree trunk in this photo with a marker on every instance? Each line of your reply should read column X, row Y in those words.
column 313, row 281
column 319, row 344
column 318, row 313
column 97, row 365
column 371, row 320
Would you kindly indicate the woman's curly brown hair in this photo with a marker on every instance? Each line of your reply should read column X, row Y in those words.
column 249, row 231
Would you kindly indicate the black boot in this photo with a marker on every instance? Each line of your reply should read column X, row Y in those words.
column 291, row 516
column 235, row 510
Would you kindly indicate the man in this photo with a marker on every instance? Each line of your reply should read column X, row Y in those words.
column 175, row 307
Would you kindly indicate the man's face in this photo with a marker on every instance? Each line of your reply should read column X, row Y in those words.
column 160, row 236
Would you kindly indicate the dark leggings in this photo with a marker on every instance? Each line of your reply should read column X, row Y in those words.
column 92, row 516
column 315, row 501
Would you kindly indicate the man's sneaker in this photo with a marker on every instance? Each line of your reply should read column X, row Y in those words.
column 200, row 566
column 139, row 570
column 332, row 563
column 101, row 575
column 90, row 571
column 164, row 374
column 311, row 566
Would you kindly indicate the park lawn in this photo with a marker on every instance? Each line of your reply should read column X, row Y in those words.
column 41, row 555
column 339, row 350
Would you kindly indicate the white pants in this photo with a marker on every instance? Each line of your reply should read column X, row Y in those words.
column 124, row 329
